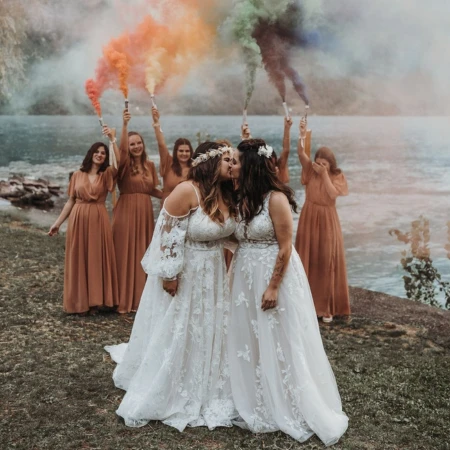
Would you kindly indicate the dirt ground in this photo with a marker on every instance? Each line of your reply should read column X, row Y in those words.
column 392, row 364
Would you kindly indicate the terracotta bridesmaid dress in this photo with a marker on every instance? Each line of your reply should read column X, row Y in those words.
column 320, row 245
column 133, row 226
column 170, row 179
column 90, row 278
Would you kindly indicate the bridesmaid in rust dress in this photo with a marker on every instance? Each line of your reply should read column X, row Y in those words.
column 133, row 222
column 90, row 277
column 319, row 240
column 172, row 168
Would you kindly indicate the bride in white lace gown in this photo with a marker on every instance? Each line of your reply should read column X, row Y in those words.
column 175, row 366
column 280, row 375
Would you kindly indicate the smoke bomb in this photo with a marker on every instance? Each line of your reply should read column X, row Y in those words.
column 126, row 104
column 306, row 111
column 286, row 110
column 244, row 117
column 152, row 98
column 100, row 119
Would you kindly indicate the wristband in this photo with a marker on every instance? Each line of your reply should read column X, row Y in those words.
column 113, row 141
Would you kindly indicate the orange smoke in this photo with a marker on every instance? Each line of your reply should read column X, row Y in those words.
column 116, row 55
column 156, row 51
column 94, row 95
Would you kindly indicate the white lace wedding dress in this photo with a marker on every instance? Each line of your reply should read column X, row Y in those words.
column 175, row 366
column 280, row 375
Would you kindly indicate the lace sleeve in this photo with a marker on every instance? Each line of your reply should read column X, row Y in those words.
column 165, row 255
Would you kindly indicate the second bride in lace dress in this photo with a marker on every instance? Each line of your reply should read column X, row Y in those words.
column 280, row 375
column 175, row 366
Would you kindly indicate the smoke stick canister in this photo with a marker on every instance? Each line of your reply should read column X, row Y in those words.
column 126, row 104
column 100, row 119
column 244, row 117
column 286, row 109
column 152, row 98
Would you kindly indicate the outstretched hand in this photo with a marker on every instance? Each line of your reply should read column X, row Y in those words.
column 53, row 230
column 155, row 114
column 110, row 132
column 126, row 116
column 302, row 127
column 288, row 122
column 245, row 131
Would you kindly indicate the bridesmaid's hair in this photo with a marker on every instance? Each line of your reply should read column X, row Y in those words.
column 143, row 159
column 86, row 165
column 258, row 176
column 207, row 175
column 326, row 153
column 176, row 166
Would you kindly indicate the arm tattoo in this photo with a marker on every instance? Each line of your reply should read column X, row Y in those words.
column 279, row 269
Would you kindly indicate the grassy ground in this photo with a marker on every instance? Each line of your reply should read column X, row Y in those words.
column 392, row 365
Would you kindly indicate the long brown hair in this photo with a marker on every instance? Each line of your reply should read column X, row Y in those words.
column 86, row 165
column 143, row 158
column 207, row 176
column 176, row 166
column 328, row 155
column 258, row 176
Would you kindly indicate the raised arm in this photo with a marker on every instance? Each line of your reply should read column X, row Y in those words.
column 162, row 147
column 284, row 156
column 111, row 134
column 126, row 117
column 303, row 157
column 54, row 229
column 280, row 213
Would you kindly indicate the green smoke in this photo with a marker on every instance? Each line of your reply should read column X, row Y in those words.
column 245, row 17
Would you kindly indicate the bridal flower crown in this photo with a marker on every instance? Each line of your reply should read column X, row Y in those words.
column 265, row 150
column 210, row 154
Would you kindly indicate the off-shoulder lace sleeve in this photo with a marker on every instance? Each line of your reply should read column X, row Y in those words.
column 165, row 255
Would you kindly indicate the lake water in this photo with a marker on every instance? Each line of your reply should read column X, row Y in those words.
column 398, row 168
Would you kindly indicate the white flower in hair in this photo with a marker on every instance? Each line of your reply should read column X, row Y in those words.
column 210, row 154
column 266, row 151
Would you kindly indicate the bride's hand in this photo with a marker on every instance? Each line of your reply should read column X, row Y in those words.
column 170, row 286
column 269, row 299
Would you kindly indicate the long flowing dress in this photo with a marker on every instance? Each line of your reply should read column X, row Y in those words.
column 170, row 179
column 280, row 375
column 175, row 366
column 90, row 277
column 320, row 244
column 133, row 226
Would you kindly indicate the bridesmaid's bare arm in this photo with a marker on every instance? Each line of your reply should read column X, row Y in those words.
column 303, row 157
column 62, row 217
column 124, row 136
column 280, row 213
column 326, row 180
column 162, row 147
column 284, row 156
column 111, row 133
column 156, row 193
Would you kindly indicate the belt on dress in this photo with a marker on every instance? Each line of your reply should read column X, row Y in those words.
column 203, row 245
column 255, row 243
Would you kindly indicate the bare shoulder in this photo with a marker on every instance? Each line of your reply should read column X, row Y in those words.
column 278, row 200
column 181, row 200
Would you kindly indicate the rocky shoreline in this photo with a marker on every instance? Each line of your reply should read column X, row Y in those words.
column 391, row 362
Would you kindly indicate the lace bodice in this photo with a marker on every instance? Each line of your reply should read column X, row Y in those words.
column 165, row 256
column 260, row 229
column 202, row 229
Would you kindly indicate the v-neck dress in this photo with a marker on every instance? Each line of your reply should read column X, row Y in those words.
column 90, row 278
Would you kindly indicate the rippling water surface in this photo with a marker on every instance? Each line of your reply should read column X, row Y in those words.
column 397, row 169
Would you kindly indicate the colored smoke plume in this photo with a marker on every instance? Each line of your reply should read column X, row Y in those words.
column 267, row 32
column 154, row 52
column 94, row 95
